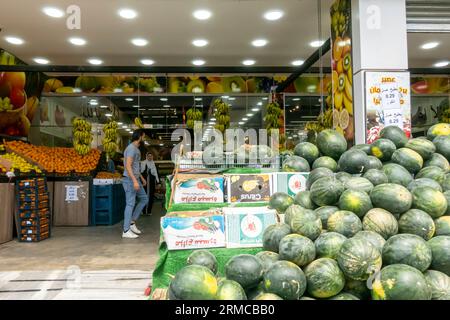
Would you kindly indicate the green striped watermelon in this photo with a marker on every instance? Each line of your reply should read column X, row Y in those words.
column 440, row 248
column 355, row 201
column 418, row 222
column 303, row 199
column 344, row 222
column 397, row 174
column 230, row 290
column 328, row 244
column 442, row 144
column 446, row 183
column 331, row 143
column 408, row 159
column 443, row 226
column 307, row 151
column 324, row 278
column 280, row 201
column 438, row 160
column 395, row 134
column 439, row 284
column 306, row 223
column 383, row 149
column 286, row 280
column 245, row 269
column 316, row 174
column 363, row 147
column 357, row 288
column 376, row 177
column 373, row 163
column 353, row 161
column 429, row 200
column 424, row 182
column 380, row 221
column 297, row 249
column 359, row 183
column 425, row 148
column 407, row 249
column 268, row 258
column 325, row 162
column 193, row 282
column 296, row 164
column 203, row 258
column 432, row 172
column 342, row 176
column 326, row 191
column 374, row 238
column 324, row 213
column 391, row 197
column 273, row 235
column 447, row 196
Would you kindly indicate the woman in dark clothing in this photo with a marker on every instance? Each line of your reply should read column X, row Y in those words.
column 150, row 173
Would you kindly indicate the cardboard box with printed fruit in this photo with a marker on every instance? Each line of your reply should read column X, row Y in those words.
column 16, row 111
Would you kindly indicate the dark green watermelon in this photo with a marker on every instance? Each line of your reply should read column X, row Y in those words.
column 380, row 221
column 359, row 259
column 307, row 151
column 407, row 249
column 286, row 280
column 252, row 293
column 417, row 222
column 408, row 159
column 193, row 282
column 382, row 149
column 362, row 147
column 331, row 143
column 306, row 223
column 400, row 282
column 344, row 222
column 203, row 258
column 442, row 144
column 443, row 226
column 316, row 174
column 357, row 288
column 245, row 269
column 325, row 162
column 424, row 182
column 328, row 244
column 440, row 129
column 324, row 213
column 230, row 290
column 359, row 183
column 395, row 134
column 355, row 201
column 273, row 235
column 324, row 278
column 296, row 164
column 326, row 191
column 447, row 196
column 342, row 176
column 440, row 248
column 446, row 183
column 268, row 296
column 432, row 172
column 425, row 148
column 429, row 200
column 397, row 174
column 297, row 249
column 391, row 197
column 439, row 284
column 376, row 177
column 353, row 161
column 280, row 201
column 267, row 258
column 438, row 160
column 303, row 199
column 374, row 238
column 306, row 298
column 344, row 296
column 373, row 163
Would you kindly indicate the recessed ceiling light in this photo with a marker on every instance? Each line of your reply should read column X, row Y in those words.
column 161, row 144
column 441, row 64
column 139, row 42
column 95, row 61
column 232, row 98
column 225, row 97
column 265, row 98
column 41, row 60
column 127, row 13
column 255, row 109
column 241, row 122
column 147, row 62
column 198, row 62
column 166, row 106
column 249, row 114
column 296, row 99
column 124, row 127
column 128, row 99
column 136, row 106
column 103, row 107
column 198, row 99
column 200, row 42
column 53, row 12
column 163, row 99
column 273, row 15
column 259, row 42
column 108, row 114
column 202, row 14
column 260, row 103
column 248, row 62
column 15, row 40
column 430, row 45
column 213, row 119
column 316, row 43
column 297, row 62
column 77, row 41
column 244, row 119
column 93, row 102
column 119, row 123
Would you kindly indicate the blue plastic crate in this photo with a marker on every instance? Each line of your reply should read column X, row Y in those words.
column 108, row 204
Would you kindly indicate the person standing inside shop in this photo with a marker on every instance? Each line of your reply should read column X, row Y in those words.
column 150, row 173
column 133, row 184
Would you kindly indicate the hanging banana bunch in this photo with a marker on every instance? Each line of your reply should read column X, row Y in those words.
column 110, row 139
column 325, row 118
column 192, row 115
column 222, row 115
column 273, row 114
column 82, row 136
column 138, row 123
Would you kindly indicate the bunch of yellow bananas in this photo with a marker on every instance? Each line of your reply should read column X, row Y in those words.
column 110, row 140
column 82, row 136
column 193, row 115
column 222, row 115
column 273, row 113
column 138, row 123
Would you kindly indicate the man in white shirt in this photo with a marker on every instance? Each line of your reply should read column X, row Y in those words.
column 150, row 172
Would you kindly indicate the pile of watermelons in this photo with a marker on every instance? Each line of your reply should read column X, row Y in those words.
column 373, row 224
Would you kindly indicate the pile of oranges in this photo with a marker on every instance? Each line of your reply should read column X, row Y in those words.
column 57, row 160
column 108, row 175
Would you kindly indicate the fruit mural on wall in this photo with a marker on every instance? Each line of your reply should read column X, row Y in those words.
column 341, row 64
column 19, row 97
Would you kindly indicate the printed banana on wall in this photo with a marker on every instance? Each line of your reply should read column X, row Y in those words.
column 82, row 136
column 110, row 139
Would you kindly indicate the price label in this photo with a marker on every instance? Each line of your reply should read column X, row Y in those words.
column 390, row 96
column 393, row 117
column 72, row 193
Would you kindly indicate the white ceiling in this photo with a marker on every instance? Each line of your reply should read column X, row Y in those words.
column 170, row 28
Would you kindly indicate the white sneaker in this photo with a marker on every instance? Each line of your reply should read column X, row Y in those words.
column 129, row 235
column 135, row 229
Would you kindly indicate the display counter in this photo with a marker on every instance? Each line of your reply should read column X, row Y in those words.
column 6, row 211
